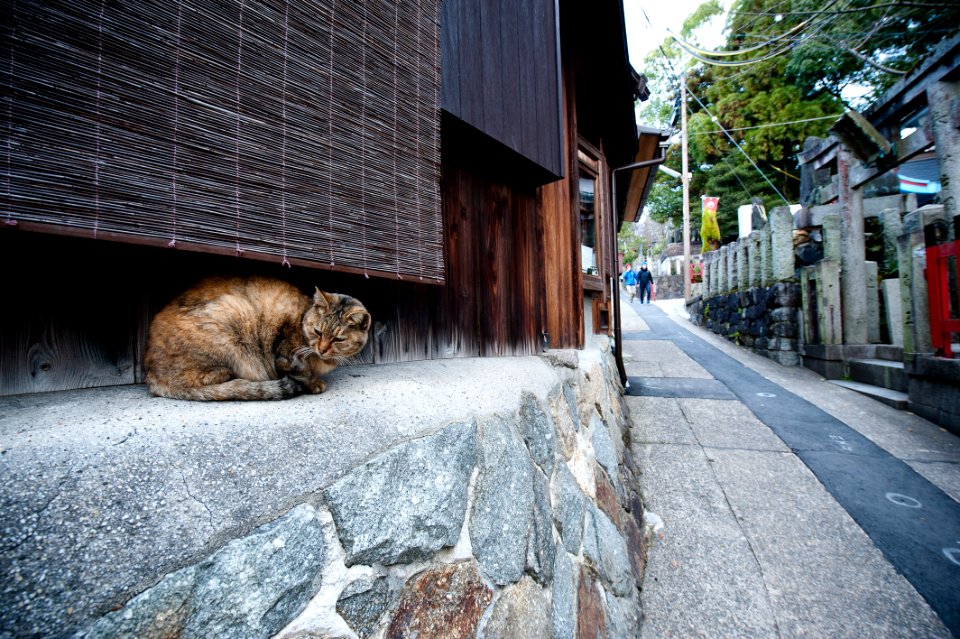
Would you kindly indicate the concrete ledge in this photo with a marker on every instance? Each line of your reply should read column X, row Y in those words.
column 102, row 492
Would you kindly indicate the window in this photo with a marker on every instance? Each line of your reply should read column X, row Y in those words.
column 588, row 225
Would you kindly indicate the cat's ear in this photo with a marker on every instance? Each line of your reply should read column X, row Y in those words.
column 323, row 301
column 359, row 318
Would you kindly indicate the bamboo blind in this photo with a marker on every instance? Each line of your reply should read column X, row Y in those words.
column 305, row 131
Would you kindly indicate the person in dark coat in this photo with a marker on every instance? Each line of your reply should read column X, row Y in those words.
column 644, row 282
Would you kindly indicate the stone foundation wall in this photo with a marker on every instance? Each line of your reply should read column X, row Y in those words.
column 765, row 320
column 522, row 518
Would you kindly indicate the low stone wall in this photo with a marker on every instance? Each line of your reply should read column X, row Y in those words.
column 763, row 319
column 669, row 287
column 457, row 498
column 934, row 389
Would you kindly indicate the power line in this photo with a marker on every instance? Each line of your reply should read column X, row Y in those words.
column 740, row 148
column 898, row 5
column 764, row 126
column 693, row 48
column 677, row 78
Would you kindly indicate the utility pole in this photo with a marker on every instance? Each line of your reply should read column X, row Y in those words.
column 685, row 178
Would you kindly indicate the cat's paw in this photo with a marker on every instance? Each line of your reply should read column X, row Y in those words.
column 289, row 388
column 314, row 386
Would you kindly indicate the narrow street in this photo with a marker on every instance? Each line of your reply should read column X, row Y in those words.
column 783, row 505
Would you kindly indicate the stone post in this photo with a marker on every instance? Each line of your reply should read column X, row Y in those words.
column 831, row 238
column 715, row 273
column 781, row 241
column 743, row 271
column 911, row 253
column 944, row 101
column 724, row 272
column 732, row 267
column 705, row 277
column 853, row 273
column 892, row 228
column 753, row 259
column 766, row 256
column 873, row 304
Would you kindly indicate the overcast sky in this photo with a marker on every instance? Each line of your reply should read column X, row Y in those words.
column 663, row 14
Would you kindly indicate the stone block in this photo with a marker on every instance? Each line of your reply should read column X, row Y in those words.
column 754, row 259
column 783, row 329
column 781, row 239
column 252, row 587
column 723, row 270
column 446, row 601
column 785, row 358
column 503, row 504
column 363, row 602
column 892, row 305
column 873, row 304
column 522, row 611
column 743, row 264
column 831, row 238
column 766, row 257
column 566, row 583
column 783, row 314
column 410, row 501
column 784, row 294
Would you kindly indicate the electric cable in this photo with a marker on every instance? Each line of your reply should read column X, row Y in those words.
column 677, row 78
column 691, row 48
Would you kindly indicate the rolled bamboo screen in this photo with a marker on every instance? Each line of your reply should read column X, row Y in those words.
column 305, row 131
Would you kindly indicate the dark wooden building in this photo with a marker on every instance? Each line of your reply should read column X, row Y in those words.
column 447, row 163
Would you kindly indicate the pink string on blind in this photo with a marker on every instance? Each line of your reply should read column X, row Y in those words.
column 176, row 125
column 363, row 143
column 417, row 138
column 396, row 97
column 283, row 147
column 236, row 192
column 9, row 221
column 235, row 158
column 96, row 162
column 333, row 14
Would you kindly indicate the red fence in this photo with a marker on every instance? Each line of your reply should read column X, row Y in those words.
column 943, row 281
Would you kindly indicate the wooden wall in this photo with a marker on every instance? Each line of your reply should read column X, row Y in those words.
column 77, row 310
column 500, row 73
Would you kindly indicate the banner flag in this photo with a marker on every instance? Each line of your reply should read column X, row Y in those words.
column 916, row 185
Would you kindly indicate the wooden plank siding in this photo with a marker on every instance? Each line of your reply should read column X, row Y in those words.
column 509, row 197
column 561, row 239
column 506, row 54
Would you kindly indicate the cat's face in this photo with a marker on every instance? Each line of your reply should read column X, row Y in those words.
column 336, row 326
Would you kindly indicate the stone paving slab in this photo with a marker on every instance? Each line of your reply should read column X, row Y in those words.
column 825, row 576
column 659, row 420
column 702, row 579
column 728, row 424
column 820, row 574
column 659, row 358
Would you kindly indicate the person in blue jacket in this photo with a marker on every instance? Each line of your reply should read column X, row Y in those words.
column 645, row 281
column 629, row 278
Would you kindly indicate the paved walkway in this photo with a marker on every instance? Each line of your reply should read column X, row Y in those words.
column 785, row 506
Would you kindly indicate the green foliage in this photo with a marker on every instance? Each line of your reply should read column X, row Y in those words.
column 771, row 107
column 709, row 231
column 629, row 242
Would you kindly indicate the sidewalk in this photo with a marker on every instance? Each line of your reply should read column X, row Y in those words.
column 784, row 506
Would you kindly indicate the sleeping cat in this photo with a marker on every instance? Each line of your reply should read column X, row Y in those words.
column 251, row 338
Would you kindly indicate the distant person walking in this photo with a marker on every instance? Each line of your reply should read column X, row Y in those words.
column 645, row 281
column 629, row 278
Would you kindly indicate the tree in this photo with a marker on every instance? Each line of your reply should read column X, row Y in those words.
column 797, row 58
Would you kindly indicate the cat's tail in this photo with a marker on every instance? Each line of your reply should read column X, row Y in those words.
column 235, row 389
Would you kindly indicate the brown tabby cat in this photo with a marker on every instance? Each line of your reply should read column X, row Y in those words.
column 251, row 338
